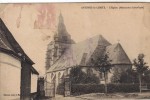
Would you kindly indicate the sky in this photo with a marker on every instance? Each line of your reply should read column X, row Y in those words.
column 33, row 25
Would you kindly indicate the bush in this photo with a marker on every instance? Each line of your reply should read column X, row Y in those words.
column 77, row 76
column 127, row 88
column 128, row 76
column 86, row 88
column 112, row 88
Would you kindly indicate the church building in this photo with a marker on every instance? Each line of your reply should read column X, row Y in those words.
column 63, row 54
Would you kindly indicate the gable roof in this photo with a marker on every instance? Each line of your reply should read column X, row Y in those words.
column 8, row 42
column 117, row 54
column 79, row 54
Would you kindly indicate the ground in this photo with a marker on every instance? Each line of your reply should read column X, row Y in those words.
column 97, row 96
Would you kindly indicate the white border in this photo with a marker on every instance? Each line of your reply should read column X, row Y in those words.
column 54, row 1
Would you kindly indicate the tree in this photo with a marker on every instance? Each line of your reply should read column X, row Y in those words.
column 128, row 76
column 77, row 76
column 146, row 77
column 140, row 67
column 116, row 76
column 103, row 64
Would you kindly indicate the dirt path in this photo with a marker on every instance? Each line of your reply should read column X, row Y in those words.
column 101, row 96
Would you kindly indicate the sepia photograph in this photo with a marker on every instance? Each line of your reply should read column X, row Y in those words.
column 74, row 51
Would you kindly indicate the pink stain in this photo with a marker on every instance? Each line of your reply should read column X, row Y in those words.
column 19, row 18
column 46, row 16
column 18, row 21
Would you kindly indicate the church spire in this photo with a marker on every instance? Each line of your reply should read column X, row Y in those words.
column 61, row 25
column 62, row 33
column 61, row 19
column 62, row 41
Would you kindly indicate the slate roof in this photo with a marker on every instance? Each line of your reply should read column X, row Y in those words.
column 82, row 52
column 117, row 54
column 9, row 44
column 79, row 54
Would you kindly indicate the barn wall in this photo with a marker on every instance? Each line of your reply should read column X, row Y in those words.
column 34, row 79
column 10, row 72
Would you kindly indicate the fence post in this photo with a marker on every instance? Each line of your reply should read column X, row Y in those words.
column 67, row 86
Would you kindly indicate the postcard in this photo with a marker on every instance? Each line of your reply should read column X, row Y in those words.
column 74, row 51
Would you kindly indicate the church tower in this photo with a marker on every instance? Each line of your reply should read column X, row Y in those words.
column 61, row 41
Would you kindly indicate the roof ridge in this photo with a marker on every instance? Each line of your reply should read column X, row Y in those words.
column 103, row 41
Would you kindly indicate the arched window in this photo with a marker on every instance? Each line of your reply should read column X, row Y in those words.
column 59, row 77
column 52, row 74
column 55, row 51
column 54, row 78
